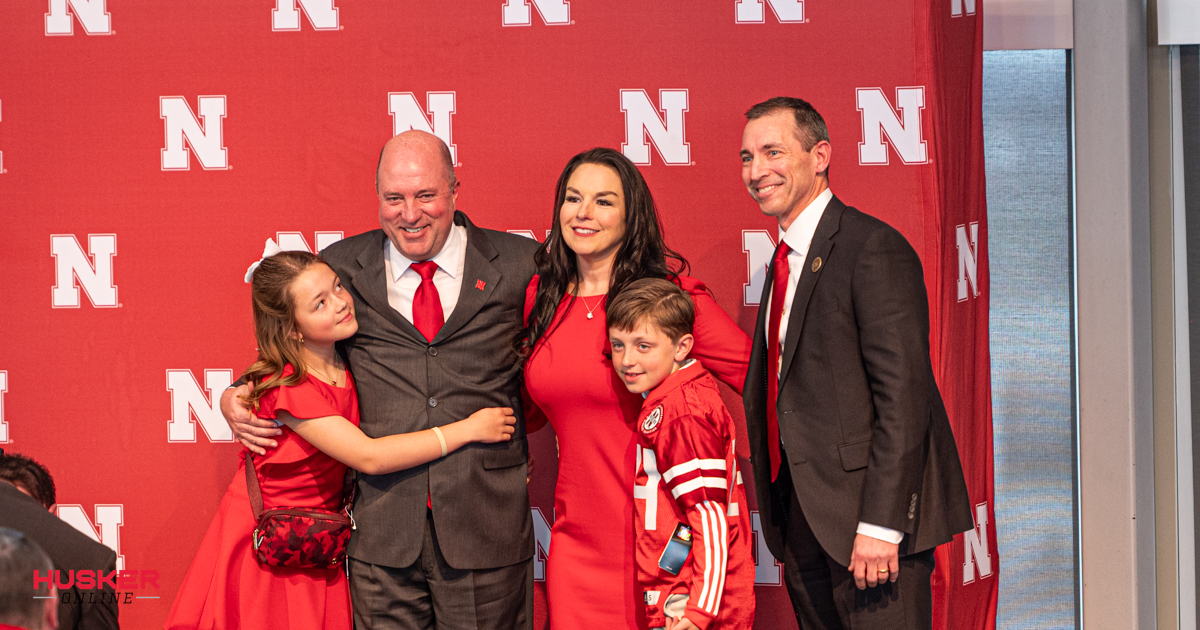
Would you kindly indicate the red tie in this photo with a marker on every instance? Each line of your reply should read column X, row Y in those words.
column 779, row 280
column 427, row 304
column 427, row 312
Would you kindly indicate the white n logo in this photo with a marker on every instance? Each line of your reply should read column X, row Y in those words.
column 90, row 13
column 752, row 12
column 322, row 15
column 407, row 114
column 187, row 399
column 642, row 119
column 294, row 241
column 766, row 567
column 517, row 13
column 975, row 547
column 180, row 123
column 760, row 249
column 71, row 264
column 541, row 544
column 904, row 132
column 109, row 519
column 956, row 7
column 3, row 424
column 966, row 238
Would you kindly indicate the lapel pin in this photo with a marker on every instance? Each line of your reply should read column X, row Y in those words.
column 479, row 284
column 816, row 264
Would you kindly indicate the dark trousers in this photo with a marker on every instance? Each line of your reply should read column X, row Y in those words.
column 431, row 594
column 823, row 592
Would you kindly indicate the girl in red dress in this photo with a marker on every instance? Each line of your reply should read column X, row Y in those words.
column 605, row 235
column 300, row 312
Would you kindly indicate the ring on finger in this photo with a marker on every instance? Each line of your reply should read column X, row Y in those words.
column 883, row 571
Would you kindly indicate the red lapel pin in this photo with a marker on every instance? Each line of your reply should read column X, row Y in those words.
column 479, row 284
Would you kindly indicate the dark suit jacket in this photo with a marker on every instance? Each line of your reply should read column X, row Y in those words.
column 480, row 503
column 68, row 550
column 865, row 431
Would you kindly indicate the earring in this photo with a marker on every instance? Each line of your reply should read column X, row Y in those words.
column 302, row 339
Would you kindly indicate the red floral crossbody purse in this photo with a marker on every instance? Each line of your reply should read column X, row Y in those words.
column 300, row 537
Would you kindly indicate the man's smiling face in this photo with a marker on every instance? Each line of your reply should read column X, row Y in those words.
column 778, row 172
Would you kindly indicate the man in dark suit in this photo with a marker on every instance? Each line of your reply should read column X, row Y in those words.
column 856, row 470
column 68, row 549
column 448, row 544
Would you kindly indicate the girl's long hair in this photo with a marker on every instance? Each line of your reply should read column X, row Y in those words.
column 275, row 323
column 642, row 254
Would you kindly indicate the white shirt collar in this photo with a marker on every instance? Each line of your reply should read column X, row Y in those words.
column 800, row 234
column 447, row 259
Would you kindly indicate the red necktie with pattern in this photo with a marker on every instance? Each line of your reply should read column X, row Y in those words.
column 779, row 280
column 427, row 304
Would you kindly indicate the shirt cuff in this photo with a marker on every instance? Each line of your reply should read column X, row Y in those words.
column 882, row 533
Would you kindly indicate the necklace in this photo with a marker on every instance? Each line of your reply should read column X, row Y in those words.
column 591, row 308
column 337, row 369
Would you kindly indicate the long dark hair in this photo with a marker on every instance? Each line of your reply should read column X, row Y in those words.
column 275, row 323
column 642, row 253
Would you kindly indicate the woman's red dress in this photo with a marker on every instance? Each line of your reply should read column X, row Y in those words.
column 226, row 587
column 590, row 580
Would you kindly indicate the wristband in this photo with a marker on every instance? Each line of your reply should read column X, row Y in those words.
column 441, row 440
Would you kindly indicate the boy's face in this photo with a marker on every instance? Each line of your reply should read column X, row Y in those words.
column 645, row 357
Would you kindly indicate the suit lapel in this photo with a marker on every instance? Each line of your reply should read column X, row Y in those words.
column 822, row 245
column 372, row 286
column 479, row 278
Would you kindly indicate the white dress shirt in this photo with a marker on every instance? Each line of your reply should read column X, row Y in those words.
column 403, row 280
column 799, row 236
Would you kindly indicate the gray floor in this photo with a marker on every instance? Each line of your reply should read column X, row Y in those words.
column 1027, row 140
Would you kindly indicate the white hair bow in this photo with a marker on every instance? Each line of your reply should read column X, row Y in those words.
column 270, row 249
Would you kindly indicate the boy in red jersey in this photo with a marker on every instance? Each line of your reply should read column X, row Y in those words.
column 691, row 523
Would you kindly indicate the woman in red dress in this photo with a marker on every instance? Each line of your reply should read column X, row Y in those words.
column 605, row 235
column 300, row 312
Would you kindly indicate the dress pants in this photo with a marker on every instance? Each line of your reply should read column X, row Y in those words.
column 823, row 592
column 431, row 594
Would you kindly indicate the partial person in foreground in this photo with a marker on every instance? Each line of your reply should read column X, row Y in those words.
column 692, row 539
column 28, row 505
column 438, row 302
column 856, row 470
column 22, row 605
column 299, row 380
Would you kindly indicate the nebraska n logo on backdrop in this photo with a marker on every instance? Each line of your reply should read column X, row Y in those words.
column 956, row 7
column 966, row 240
column 642, row 120
column 322, row 15
column 903, row 130
column 188, row 400
column 92, row 15
column 753, row 12
column 206, row 140
column 106, row 530
column 407, row 114
column 517, row 13
column 71, row 264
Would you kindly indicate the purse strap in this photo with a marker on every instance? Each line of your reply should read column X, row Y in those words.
column 349, row 488
column 256, row 502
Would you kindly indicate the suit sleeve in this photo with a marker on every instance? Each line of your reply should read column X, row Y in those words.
column 721, row 345
column 892, row 312
column 102, row 614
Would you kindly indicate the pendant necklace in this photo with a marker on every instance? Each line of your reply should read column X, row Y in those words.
column 591, row 308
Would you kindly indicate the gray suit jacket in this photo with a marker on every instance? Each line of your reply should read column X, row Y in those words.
column 867, row 437
column 480, row 502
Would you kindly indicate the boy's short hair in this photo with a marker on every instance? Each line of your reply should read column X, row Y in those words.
column 653, row 301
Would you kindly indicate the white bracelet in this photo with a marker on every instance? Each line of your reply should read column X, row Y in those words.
column 441, row 439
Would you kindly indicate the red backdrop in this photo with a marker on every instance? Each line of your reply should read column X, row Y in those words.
column 148, row 149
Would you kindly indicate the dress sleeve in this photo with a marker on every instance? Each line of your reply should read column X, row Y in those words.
column 720, row 344
column 302, row 401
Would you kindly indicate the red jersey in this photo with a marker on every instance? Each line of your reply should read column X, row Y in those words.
column 687, row 475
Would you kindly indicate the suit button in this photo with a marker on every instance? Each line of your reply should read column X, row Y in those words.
column 432, row 351
column 432, row 402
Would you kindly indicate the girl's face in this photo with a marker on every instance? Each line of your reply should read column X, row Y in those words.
column 592, row 215
column 324, row 311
